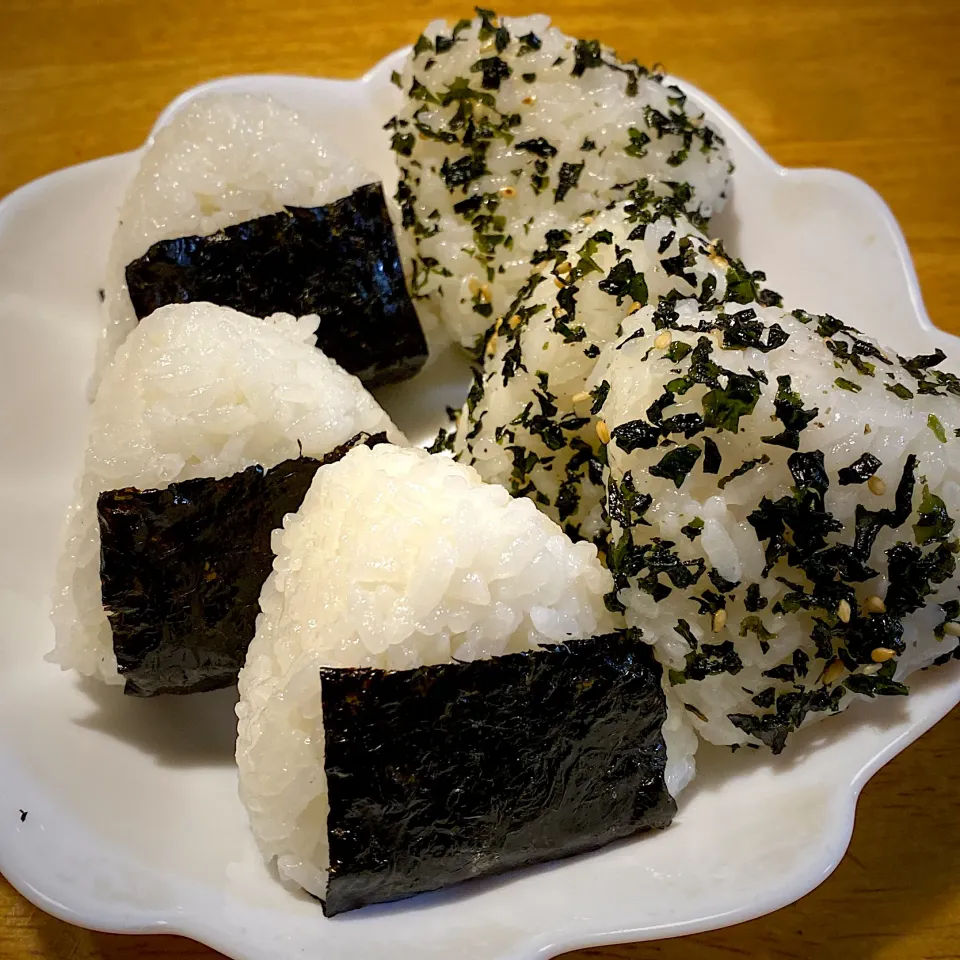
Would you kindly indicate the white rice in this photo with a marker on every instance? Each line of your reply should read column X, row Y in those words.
column 196, row 391
column 226, row 159
column 396, row 559
column 857, row 413
column 546, row 348
column 568, row 110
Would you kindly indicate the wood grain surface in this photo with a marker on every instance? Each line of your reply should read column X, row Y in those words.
column 868, row 86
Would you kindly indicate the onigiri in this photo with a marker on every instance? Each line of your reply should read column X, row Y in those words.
column 396, row 560
column 196, row 391
column 510, row 129
column 784, row 494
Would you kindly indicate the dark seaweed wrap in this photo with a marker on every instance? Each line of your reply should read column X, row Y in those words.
column 444, row 773
column 339, row 261
column 181, row 571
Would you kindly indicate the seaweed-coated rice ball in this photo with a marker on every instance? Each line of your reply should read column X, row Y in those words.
column 526, row 423
column 509, row 129
column 784, row 494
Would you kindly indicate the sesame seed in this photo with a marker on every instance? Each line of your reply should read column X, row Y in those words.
column 563, row 267
column 663, row 340
column 514, row 321
column 874, row 605
column 634, row 307
column 508, row 192
column 473, row 285
column 843, row 611
column 870, row 669
column 951, row 629
column 580, row 397
column 559, row 282
column 882, row 654
column 603, row 432
column 832, row 671
column 485, row 293
column 557, row 312
column 492, row 344
column 866, row 428
column 529, row 101
column 587, row 218
column 719, row 620
column 876, row 486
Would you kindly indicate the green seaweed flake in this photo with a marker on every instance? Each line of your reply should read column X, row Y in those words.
column 567, row 179
column 586, row 56
column 693, row 529
column 789, row 411
column 462, row 172
column 712, row 659
column 403, row 143
column 599, row 396
column 860, row 471
column 899, row 390
column 934, row 523
column 753, row 624
column 639, row 142
column 529, row 43
column 490, row 28
column 625, row 281
column 743, row 469
column 936, row 427
column 538, row 146
column 723, row 407
column 494, row 71
column 677, row 464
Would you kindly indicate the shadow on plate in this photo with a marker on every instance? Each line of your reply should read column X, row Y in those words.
column 726, row 225
column 195, row 731
column 442, row 384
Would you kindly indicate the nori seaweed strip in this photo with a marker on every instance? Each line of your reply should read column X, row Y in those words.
column 339, row 261
column 181, row 571
column 460, row 770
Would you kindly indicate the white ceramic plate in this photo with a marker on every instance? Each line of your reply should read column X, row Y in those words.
column 132, row 818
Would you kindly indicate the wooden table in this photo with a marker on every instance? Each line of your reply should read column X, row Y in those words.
column 868, row 86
